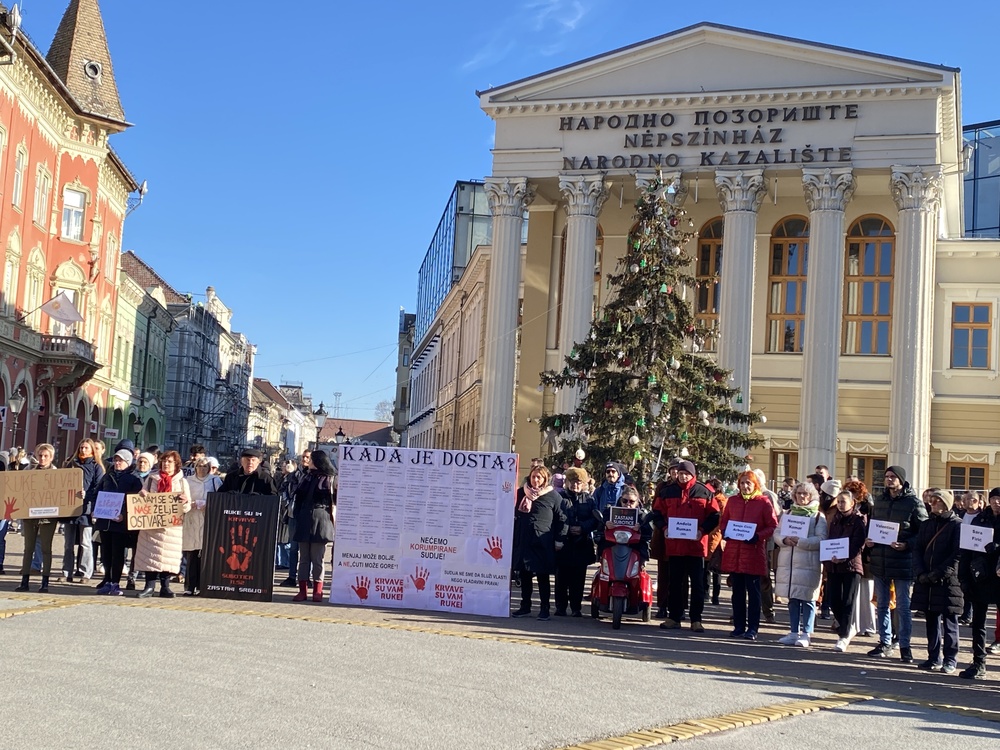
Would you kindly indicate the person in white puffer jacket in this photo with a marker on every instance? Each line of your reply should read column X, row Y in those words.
column 799, row 572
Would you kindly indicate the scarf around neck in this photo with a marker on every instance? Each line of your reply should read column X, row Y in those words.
column 530, row 495
column 805, row 510
column 165, row 484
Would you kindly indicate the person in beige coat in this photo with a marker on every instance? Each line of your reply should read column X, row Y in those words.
column 159, row 551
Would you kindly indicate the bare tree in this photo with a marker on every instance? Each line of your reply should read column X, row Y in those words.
column 384, row 409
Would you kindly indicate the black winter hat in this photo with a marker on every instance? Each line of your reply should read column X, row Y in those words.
column 899, row 471
column 126, row 444
column 688, row 467
column 995, row 492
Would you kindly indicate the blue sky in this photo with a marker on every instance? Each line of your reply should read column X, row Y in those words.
column 299, row 155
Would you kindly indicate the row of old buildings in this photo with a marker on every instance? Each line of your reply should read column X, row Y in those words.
column 847, row 251
column 133, row 358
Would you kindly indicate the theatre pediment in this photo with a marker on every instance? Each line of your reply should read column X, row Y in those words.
column 708, row 58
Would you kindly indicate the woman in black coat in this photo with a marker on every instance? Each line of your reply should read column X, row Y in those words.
column 578, row 551
column 77, row 530
column 114, row 531
column 978, row 573
column 539, row 531
column 937, row 592
column 314, row 502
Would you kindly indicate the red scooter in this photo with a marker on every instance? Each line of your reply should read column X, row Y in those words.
column 622, row 584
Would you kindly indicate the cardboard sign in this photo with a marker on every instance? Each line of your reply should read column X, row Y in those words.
column 883, row 532
column 108, row 505
column 624, row 516
column 831, row 548
column 975, row 537
column 740, row 531
column 42, row 493
column 157, row 510
column 237, row 555
column 682, row 528
column 794, row 525
column 424, row 529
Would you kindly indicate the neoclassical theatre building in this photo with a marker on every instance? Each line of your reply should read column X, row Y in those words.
column 826, row 186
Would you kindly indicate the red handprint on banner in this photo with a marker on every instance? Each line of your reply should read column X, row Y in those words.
column 9, row 507
column 361, row 586
column 420, row 578
column 240, row 548
column 494, row 548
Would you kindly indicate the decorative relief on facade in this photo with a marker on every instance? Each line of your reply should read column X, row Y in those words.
column 866, row 448
column 916, row 188
column 828, row 189
column 741, row 191
column 584, row 194
column 509, row 196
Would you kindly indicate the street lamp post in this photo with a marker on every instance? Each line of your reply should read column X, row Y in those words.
column 320, row 415
column 16, row 403
column 137, row 425
column 340, row 437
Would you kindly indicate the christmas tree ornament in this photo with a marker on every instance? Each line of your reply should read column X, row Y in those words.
column 684, row 435
column 673, row 221
column 651, row 380
column 642, row 263
column 641, row 422
column 634, row 440
column 558, row 422
column 705, row 422
column 665, row 398
column 703, row 414
column 685, row 452
column 634, row 268
column 637, row 455
column 763, row 419
column 609, row 404
column 675, row 363
column 580, row 455
column 676, row 251
column 739, row 398
column 663, row 288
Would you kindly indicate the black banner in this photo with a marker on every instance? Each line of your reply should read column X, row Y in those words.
column 237, row 553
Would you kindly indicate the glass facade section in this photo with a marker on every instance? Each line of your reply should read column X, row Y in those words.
column 465, row 224
column 982, row 180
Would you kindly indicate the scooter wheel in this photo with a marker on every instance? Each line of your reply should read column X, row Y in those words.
column 644, row 610
column 617, row 610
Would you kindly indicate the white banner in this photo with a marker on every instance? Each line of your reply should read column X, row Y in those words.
column 424, row 529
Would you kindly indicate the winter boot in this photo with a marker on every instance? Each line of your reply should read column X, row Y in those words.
column 24, row 584
column 149, row 589
column 303, row 592
column 44, row 588
column 165, row 592
column 318, row 591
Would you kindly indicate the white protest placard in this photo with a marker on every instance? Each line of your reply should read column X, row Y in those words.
column 424, row 529
column 682, row 528
column 624, row 516
column 740, row 530
column 794, row 525
column 883, row 532
column 975, row 537
column 108, row 505
column 831, row 548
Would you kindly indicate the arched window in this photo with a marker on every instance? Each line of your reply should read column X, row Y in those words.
column 787, row 284
column 598, row 257
column 708, row 268
column 871, row 243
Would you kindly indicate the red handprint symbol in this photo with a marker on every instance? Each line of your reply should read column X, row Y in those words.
column 9, row 507
column 494, row 548
column 361, row 587
column 240, row 546
column 420, row 578
column 507, row 486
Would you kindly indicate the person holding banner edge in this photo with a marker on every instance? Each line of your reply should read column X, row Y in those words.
column 114, row 531
column 539, row 532
column 158, row 552
column 314, row 501
column 38, row 529
column 201, row 483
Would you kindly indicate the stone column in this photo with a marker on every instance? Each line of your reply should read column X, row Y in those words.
column 917, row 194
column 827, row 192
column 740, row 194
column 508, row 198
column 584, row 196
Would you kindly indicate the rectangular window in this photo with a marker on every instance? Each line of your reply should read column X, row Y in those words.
column 20, row 164
column 869, row 469
column 43, row 184
column 786, row 296
column 8, row 291
column 784, row 464
column 971, row 326
column 967, row 476
column 74, row 202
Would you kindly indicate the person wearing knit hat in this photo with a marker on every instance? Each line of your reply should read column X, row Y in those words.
column 891, row 565
column 684, row 501
column 578, row 550
column 938, row 592
column 115, row 538
column 610, row 490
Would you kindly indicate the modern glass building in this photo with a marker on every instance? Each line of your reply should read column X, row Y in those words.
column 465, row 224
column 982, row 179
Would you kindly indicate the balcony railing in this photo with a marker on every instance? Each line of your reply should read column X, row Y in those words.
column 69, row 346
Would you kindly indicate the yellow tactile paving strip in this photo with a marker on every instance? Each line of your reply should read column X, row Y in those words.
column 310, row 614
column 685, row 730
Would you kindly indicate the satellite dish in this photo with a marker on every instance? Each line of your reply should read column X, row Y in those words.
column 144, row 188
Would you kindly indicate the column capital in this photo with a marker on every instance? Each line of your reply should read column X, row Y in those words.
column 916, row 187
column 584, row 194
column 828, row 189
column 741, row 190
column 509, row 196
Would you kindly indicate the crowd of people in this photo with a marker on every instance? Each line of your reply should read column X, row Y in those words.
column 306, row 495
column 871, row 589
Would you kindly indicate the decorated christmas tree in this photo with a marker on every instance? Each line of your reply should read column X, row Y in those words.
column 648, row 392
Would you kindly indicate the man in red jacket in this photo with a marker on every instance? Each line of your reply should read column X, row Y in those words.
column 688, row 514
